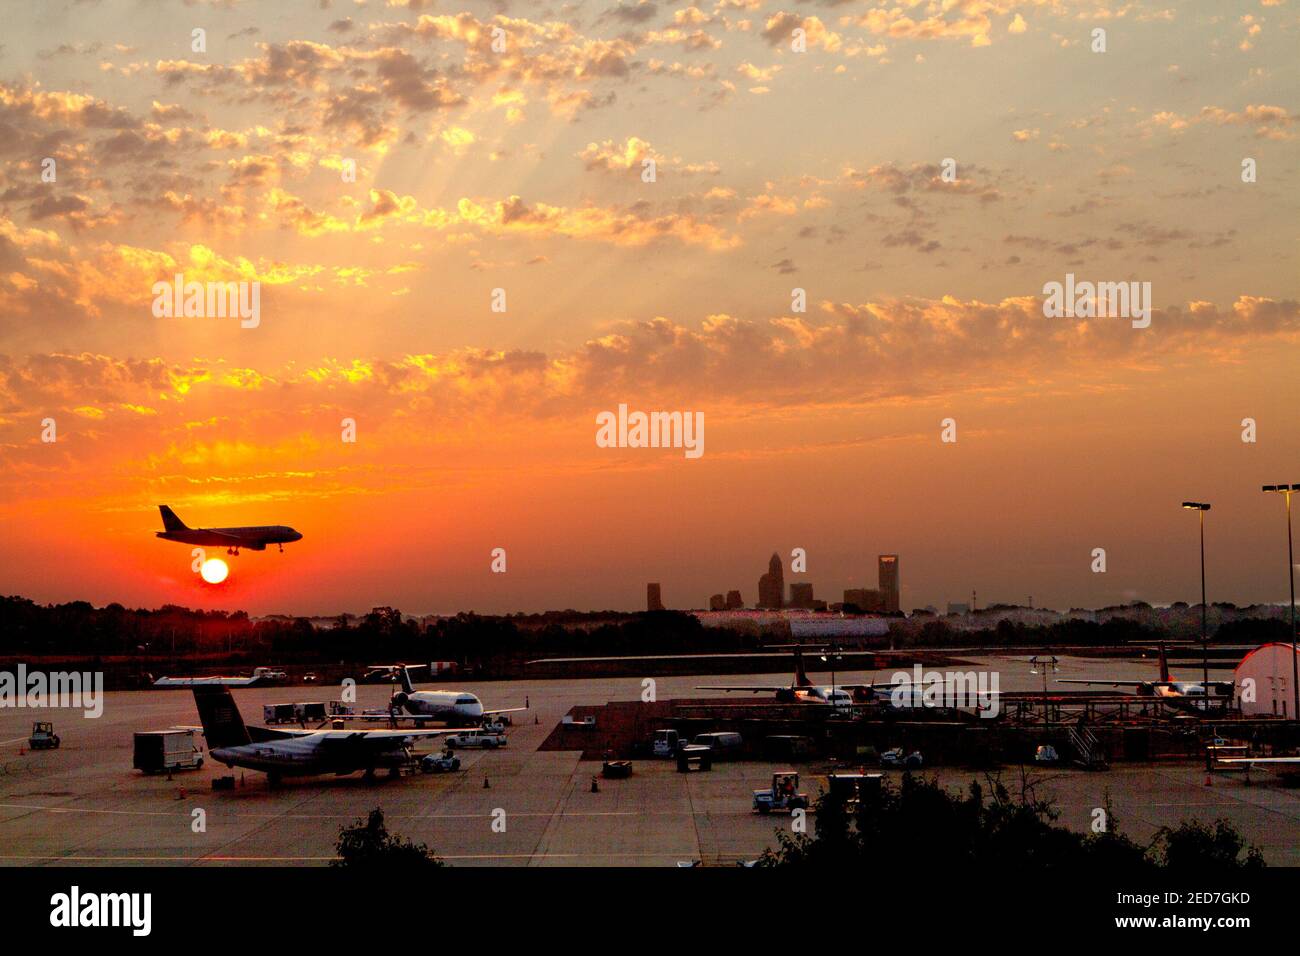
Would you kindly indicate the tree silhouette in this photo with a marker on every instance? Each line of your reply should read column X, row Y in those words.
column 369, row 844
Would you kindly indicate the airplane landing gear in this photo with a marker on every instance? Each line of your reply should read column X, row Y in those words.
column 234, row 551
column 281, row 549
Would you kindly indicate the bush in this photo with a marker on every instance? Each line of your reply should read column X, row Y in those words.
column 921, row 824
column 368, row 843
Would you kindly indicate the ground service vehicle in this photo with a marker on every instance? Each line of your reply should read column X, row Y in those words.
column 688, row 754
column 444, row 762
column 851, row 787
column 725, row 744
column 43, row 736
column 667, row 743
column 616, row 769
column 306, row 712
column 782, row 795
column 895, row 758
column 162, row 751
column 477, row 738
column 277, row 713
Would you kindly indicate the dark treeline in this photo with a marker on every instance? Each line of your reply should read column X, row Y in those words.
column 1083, row 633
column 484, row 643
column 32, row 630
column 920, row 824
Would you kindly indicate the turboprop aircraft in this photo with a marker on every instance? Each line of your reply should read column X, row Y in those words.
column 298, row 753
column 1187, row 695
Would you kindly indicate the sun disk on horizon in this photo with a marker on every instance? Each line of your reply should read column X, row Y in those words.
column 214, row 570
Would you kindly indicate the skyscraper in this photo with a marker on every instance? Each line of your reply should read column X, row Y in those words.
column 771, row 586
column 801, row 595
column 653, row 599
column 888, row 570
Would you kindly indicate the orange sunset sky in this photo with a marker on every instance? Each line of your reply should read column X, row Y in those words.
column 522, row 170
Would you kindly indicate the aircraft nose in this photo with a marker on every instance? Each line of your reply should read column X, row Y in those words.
column 297, row 536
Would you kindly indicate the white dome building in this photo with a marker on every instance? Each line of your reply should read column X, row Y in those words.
column 1265, row 681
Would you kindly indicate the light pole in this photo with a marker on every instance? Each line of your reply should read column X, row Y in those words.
column 1290, row 577
column 832, row 656
column 1049, row 665
column 1202, row 507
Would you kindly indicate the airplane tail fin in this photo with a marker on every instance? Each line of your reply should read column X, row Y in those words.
column 170, row 521
column 406, row 679
column 800, row 675
column 222, row 724
column 1164, row 665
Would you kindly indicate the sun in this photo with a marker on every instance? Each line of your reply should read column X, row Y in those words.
column 214, row 570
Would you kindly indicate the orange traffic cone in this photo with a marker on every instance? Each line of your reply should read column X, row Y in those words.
column 1207, row 781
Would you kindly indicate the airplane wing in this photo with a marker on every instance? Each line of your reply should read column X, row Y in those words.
column 755, row 688
column 1258, row 759
column 217, row 533
column 385, row 717
column 164, row 682
column 1107, row 683
column 503, row 710
column 378, row 734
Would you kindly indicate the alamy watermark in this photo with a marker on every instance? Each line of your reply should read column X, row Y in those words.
column 39, row 690
column 651, row 430
column 1098, row 300
column 75, row 909
column 951, row 689
column 214, row 300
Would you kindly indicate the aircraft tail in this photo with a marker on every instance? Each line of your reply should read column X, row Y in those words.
column 222, row 724
column 170, row 521
column 1164, row 666
column 800, row 675
column 407, row 686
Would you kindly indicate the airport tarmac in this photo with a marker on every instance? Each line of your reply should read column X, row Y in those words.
column 83, row 804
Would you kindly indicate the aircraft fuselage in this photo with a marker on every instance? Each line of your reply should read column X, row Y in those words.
column 452, row 706
column 253, row 538
column 325, row 752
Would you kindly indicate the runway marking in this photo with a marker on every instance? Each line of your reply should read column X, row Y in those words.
column 325, row 859
column 348, row 816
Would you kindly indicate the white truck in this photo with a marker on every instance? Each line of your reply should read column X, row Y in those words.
column 162, row 751
column 468, row 739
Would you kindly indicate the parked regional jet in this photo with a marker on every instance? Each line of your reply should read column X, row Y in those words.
column 297, row 753
column 801, row 688
column 943, row 693
column 1185, row 694
column 458, row 707
column 232, row 539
